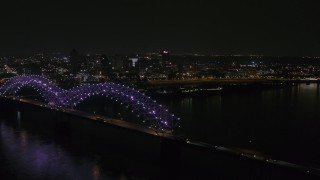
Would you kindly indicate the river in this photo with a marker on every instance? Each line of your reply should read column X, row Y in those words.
column 281, row 123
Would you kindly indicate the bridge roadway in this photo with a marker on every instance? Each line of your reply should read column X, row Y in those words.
column 247, row 154
column 227, row 81
column 102, row 119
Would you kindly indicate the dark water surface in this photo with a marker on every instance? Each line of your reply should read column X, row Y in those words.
column 33, row 147
column 281, row 123
column 32, row 155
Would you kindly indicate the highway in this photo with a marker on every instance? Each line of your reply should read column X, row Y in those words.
column 226, row 81
column 256, row 156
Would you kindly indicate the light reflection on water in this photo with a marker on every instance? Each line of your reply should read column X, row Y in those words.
column 282, row 122
column 32, row 158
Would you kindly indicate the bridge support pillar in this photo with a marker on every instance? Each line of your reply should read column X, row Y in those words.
column 170, row 156
column 7, row 108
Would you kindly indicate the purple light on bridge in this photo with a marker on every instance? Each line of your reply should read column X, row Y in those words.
column 152, row 112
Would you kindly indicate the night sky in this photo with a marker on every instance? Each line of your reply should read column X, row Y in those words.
column 281, row 28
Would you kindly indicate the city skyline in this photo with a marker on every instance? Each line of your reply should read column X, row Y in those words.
column 286, row 28
column 160, row 89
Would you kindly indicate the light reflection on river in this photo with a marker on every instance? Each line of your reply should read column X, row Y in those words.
column 31, row 157
column 282, row 123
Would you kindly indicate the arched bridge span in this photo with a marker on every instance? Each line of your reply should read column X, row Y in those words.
column 149, row 110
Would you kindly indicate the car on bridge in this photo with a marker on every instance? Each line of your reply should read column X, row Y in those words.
column 51, row 104
column 100, row 119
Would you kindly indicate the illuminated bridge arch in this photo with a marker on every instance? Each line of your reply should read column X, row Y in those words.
column 151, row 112
column 43, row 86
column 144, row 106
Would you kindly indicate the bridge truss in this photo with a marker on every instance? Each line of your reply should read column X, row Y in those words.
column 152, row 113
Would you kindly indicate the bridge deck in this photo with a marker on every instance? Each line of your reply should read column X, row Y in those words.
column 102, row 119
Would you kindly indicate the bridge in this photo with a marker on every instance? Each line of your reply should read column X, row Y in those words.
column 152, row 113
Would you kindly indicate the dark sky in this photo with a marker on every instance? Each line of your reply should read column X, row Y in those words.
column 282, row 27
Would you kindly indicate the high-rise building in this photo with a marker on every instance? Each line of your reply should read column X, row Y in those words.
column 74, row 61
column 117, row 62
column 106, row 65
column 165, row 56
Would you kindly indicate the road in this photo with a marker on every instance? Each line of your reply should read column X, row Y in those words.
column 100, row 119
column 225, row 81
column 256, row 156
